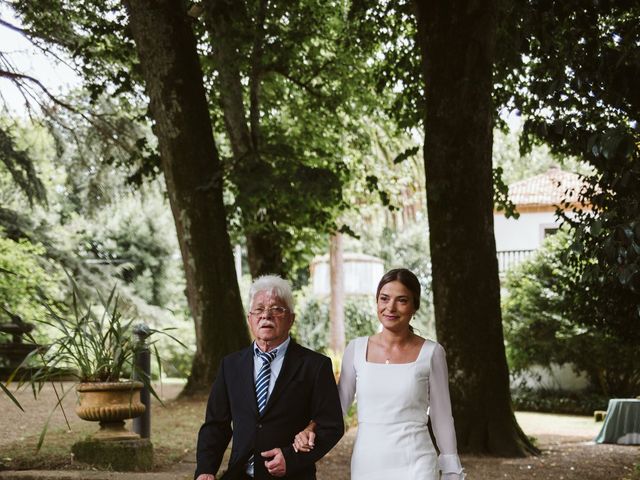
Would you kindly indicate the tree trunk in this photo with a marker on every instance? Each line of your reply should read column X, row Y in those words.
column 264, row 255
column 457, row 42
column 167, row 50
column 336, row 310
column 227, row 23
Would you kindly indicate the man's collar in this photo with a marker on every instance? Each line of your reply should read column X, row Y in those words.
column 281, row 349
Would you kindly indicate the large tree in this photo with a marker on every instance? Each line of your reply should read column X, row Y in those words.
column 457, row 42
column 281, row 67
column 276, row 78
column 170, row 66
column 274, row 73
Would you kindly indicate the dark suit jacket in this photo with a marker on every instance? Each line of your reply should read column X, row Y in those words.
column 305, row 389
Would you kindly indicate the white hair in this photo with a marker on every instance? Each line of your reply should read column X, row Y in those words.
column 275, row 285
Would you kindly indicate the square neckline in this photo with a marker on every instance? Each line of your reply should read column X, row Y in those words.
column 366, row 351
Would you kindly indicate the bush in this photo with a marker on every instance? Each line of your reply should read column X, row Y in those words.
column 545, row 322
column 177, row 360
column 556, row 401
column 312, row 323
column 360, row 317
column 312, row 320
column 26, row 278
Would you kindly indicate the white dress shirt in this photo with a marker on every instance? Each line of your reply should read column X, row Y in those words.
column 276, row 366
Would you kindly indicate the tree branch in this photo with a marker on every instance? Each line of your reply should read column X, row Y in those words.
column 17, row 79
column 296, row 81
column 32, row 36
column 10, row 26
column 256, row 77
column 98, row 121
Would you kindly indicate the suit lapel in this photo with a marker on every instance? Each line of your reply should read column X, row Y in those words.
column 246, row 378
column 292, row 362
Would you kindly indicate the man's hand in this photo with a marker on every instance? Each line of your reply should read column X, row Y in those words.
column 206, row 476
column 277, row 466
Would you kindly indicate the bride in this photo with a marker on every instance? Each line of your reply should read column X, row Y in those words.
column 401, row 382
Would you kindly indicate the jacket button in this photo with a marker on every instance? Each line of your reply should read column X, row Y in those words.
column 259, row 425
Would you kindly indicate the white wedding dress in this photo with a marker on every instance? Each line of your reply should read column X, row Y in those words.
column 393, row 440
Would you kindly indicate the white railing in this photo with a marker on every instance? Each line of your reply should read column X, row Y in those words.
column 508, row 259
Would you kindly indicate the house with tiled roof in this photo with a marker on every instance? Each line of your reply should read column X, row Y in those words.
column 536, row 200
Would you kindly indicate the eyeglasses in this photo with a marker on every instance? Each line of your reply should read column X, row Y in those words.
column 274, row 311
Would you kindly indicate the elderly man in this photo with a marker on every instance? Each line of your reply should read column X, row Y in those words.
column 269, row 392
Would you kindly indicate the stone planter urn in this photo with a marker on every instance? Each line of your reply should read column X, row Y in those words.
column 110, row 403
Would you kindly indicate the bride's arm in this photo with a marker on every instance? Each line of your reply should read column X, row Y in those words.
column 441, row 418
column 347, row 383
column 304, row 440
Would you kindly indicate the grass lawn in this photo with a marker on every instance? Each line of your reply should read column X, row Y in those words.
column 537, row 424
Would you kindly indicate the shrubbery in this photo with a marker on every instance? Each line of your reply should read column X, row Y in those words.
column 556, row 401
column 547, row 321
column 312, row 320
column 26, row 278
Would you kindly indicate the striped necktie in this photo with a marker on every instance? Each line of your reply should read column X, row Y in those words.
column 264, row 375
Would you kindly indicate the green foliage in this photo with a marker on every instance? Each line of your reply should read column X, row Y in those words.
column 302, row 79
column 512, row 165
column 33, row 140
column 554, row 314
column 408, row 248
column 21, row 168
column 312, row 320
column 102, row 153
column 554, row 401
column 517, row 165
column 94, row 343
column 360, row 317
column 97, row 228
column 304, row 87
column 571, row 75
column 311, row 327
column 8, row 393
column 135, row 239
column 136, row 234
column 93, row 33
column 176, row 360
column 609, row 235
column 385, row 33
column 569, row 68
column 501, row 195
column 305, row 76
column 25, row 278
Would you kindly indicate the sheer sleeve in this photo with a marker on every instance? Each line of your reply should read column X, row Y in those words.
column 347, row 382
column 441, row 418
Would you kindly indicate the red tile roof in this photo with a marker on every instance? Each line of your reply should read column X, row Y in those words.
column 550, row 188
